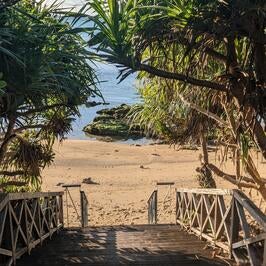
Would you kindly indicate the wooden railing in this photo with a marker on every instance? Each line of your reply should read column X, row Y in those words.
column 228, row 219
column 84, row 208
column 152, row 208
column 26, row 219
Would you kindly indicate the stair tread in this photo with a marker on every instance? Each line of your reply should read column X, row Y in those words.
column 122, row 245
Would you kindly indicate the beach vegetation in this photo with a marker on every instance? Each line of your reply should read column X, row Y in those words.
column 46, row 73
column 201, row 61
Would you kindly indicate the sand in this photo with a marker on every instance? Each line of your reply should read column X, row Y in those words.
column 124, row 176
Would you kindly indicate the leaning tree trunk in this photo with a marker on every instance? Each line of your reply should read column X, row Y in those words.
column 205, row 177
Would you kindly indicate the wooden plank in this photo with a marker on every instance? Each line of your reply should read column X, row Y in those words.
column 165, row 183
column 253, row 210
column 2, row 223
column 119, row 247
column 264, row 254
column 11, row 233
column 246, row 233
column 18, row 224
column 152, row 208
column 20, row 252
column 208, row 219
column 250, row 240
column 71, row 185
column 234, row 227
column 6, row 252
column 225, row 214
column 196, row 203
column 32, row 217
column 242, row 220
column 207, row 191
column 84, row 209
column 29, row 195
column 3, row 201
column 209, row 238
column 61, row 214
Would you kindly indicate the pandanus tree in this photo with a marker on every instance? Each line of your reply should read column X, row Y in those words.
column 214, row 53
column 46, row 74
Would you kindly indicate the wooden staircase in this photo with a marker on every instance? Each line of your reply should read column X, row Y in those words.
column 164, row 245
column 227, row 219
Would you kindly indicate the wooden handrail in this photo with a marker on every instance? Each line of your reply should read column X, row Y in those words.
column 6, row 197
column 252, row 209
column 207, row 191
column 228, row 219
column 26, row 219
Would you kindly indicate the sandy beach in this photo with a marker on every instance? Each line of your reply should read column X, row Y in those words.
column 123, row 178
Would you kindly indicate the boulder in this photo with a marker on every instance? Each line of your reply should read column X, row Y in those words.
column 112, row 122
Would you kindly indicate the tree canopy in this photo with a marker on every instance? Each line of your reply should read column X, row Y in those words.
column 46, row 73
column 209, row 56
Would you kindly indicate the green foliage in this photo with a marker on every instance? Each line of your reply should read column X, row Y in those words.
column 199, row 61
column 47, row 72
column 160, row 115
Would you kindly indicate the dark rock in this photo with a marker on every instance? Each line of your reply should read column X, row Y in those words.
column 92, row 104
column 112, row 122
column 89, row 181
column 143, row 167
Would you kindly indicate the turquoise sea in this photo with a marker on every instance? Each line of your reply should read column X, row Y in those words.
column 114, row 93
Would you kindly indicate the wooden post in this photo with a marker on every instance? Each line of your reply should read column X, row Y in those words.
column 156, row 206
column 84, row 209
column 152, row 208
column 61, row 210
column 264, row 254
column 234, row 226
column 27, row 225
column 176, row 206
column 66, row 192
column 13, row 244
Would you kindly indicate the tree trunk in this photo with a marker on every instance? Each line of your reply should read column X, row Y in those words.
column 8, row 136
column 205, row 177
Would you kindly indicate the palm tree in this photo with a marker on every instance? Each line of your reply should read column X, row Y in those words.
column 212, row 49
column 46, row 72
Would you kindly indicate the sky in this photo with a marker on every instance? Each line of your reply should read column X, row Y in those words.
column 69, row 3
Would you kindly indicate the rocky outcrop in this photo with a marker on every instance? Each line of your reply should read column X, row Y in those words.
column 112, row 122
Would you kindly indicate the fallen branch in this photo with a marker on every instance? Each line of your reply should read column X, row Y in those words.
column 249, row 183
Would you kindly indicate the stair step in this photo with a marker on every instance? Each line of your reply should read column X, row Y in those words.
column 156, row 245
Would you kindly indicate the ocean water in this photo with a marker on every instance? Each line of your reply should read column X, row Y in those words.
column 114, row 93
